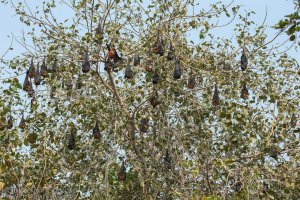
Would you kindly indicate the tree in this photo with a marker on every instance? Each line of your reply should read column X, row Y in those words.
column 291, row 22
column 127, row 106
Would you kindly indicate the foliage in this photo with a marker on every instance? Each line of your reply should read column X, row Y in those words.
column 291, row 22
column 123, row 82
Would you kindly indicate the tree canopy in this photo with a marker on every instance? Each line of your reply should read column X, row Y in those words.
column 291, row 22
column 143, row 100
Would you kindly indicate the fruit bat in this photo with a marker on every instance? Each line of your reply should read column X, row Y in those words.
column 37, row 77
column 244, row 92
column 71, row 144
column 177, row 70
column 136, row 60
column 191, row 82
column 96, row 132
column 113, row 54
column 177, row 92
column 144, row 125
column 44, row 69
column 86, row 66
column 22, row 124
column 10, row 122
column 171, row 53
column 154, row 100
column 167, row 160
column 148, row 65
column 273, row 153
column 128, row 72
column 108, row 65
column 122, row 173
column 31, row 71
column 244, row 61
column 238, row 185
column 99, row 34
column 158, row 47
column 111, row 51
column 215, row 99
column 26, row 84
column 31, row 92
column 155, row 77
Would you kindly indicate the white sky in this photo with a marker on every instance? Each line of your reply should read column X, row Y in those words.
column 277, row 9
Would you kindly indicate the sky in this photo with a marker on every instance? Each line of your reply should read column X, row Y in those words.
column 277, row 9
